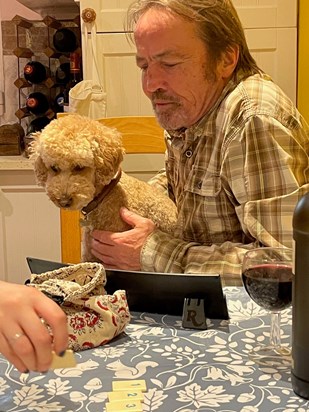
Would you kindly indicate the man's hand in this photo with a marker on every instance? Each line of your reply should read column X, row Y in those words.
column 122, row 250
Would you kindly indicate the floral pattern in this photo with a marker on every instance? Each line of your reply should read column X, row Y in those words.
column 185, row 370
column 94, row 317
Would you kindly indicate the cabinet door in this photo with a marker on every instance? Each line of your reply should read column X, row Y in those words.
column 303, row 59
column 270, row 28
column 119, row 74
column 110, row 13
column 271, row 32
column 253, row 13
column 267, row 13
column 275, row 51
column 29, row 225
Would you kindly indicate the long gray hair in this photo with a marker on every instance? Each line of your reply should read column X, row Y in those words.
column 217, row 24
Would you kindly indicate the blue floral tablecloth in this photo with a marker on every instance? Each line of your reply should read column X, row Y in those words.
column 185, row 370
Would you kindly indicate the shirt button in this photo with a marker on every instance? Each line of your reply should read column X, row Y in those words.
column 188, row 153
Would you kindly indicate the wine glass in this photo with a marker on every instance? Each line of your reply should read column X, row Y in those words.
column 267, row 277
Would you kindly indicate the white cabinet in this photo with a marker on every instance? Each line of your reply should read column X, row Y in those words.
column 29, row 221
column 119, row 74
column 271, row 32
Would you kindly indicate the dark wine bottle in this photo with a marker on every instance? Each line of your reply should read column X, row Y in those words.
column 59, row 102
column 63, row 73
column 35, row 72
column 37, row 124
column 37, row 103
column 64, row 40
column 300, row 299
column 75, row 76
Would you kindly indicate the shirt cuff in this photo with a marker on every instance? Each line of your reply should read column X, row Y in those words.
column 148, row 253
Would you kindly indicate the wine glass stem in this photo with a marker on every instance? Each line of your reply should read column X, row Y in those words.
column 275, row 339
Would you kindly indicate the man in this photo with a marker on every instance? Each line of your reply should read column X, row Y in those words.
column 237, row 148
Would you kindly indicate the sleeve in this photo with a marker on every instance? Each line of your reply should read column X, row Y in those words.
column 265, row 170
column 160, row 181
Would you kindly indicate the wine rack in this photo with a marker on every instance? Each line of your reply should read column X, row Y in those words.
column 35, row 42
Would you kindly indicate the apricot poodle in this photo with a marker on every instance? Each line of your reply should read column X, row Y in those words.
column 77, row 160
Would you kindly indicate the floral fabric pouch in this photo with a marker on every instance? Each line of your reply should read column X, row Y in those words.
column 94, row 318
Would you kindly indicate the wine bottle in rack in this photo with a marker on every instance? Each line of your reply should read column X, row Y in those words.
column 75, row 77
column 64, row 40
column 35, row 72
column 37, row 103
column 63, row 73
column 37, row 124
column 59, row 103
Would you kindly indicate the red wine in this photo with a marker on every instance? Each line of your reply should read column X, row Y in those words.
column 269, row 285
column 35, row 72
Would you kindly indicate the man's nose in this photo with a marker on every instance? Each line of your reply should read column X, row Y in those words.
column 153, row 80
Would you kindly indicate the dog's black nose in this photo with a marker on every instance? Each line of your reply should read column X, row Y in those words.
column 65, row 201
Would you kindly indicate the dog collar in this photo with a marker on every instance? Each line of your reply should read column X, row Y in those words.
column 105, row 191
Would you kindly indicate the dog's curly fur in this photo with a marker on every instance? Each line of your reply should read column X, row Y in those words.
column 75, row 158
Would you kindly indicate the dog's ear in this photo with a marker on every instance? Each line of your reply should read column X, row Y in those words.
column 109, row 154
column 40, row 170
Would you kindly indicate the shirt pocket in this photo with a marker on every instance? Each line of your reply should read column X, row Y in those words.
column 202, row 183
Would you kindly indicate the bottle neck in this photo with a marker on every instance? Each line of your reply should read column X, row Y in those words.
column 75, row 76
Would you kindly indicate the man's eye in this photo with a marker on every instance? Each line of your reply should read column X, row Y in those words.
column 78, row 168
column 55, row 168
column 169, row 64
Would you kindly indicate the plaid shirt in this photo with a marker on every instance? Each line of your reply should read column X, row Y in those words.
column 236, row 177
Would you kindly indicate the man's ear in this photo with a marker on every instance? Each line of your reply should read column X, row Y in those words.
column 228, row 62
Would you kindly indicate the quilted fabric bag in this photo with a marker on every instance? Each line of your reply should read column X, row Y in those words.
column 94, row 318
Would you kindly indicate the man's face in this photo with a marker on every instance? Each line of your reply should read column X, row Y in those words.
column 177, row 74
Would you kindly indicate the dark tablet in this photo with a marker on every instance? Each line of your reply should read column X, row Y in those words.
column 38, row 266
column 157, row 292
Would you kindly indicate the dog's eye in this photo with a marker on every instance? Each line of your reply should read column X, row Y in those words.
column 78, row 168
column 55, row 168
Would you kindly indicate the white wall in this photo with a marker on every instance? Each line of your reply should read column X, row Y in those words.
column 9, row 9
